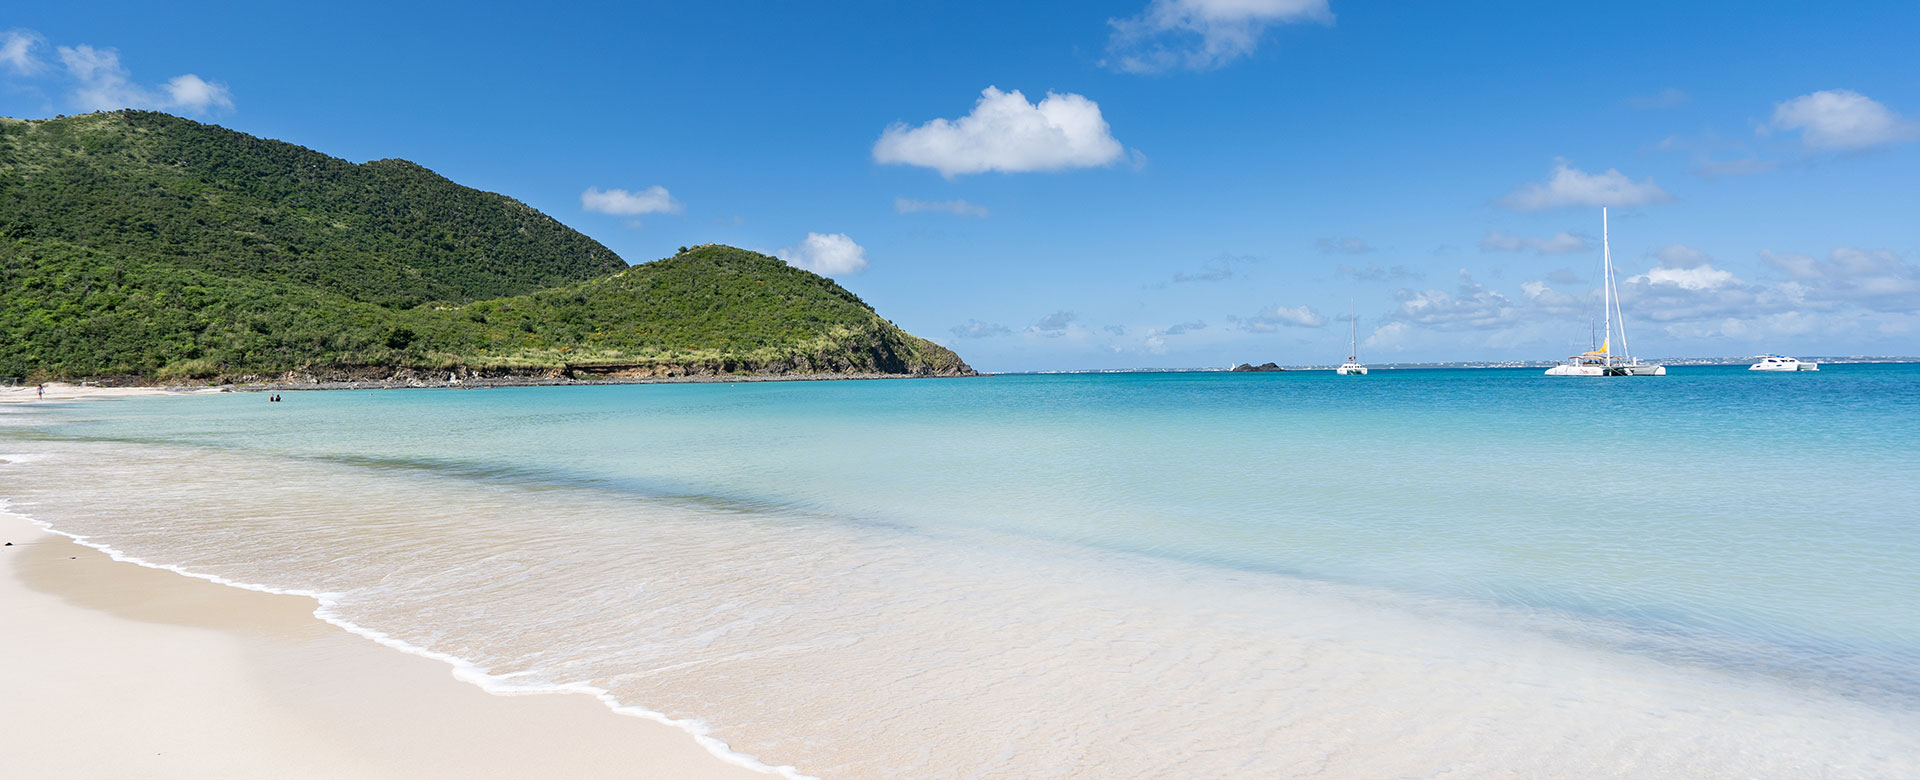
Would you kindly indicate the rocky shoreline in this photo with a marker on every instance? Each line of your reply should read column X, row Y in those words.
column 482, row 383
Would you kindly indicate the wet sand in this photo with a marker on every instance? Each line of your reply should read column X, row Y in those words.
column 116, row 670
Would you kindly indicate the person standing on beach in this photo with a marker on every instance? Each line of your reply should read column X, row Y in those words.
column 40, row 391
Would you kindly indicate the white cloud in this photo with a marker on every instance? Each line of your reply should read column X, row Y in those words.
column 1298, row 316
column 1388, row 336
column 193, row 93
column 1343, row 246
column 1699, row 277
column 16, row 51
column 1471, row 307
column 975, row 329
column 103, row 84
column 1878, row 279
column 1053, row 324
column 1569, row 186
column 1201, row 34
column 958, row 208
column 1276, row 317
column 1557, row 244
column 1842, row 119
column 827, row 254
column 1846, row 298
column 652, row 200
column 100, row 83
column 1008, row 134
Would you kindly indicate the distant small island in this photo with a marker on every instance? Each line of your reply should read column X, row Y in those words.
column 1269, row 366
column 142, row 248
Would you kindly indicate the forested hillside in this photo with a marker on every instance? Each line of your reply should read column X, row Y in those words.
column 201, row 196
column 141, row 245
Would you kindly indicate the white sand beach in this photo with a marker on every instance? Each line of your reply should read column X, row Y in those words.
column 67, row 391
column 116, row 670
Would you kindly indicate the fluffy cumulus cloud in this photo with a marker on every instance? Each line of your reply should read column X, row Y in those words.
column 1686, row 301
column 1392, row 335
column 1699, row 277
column 827, row 254
column 1343, row 246
column 1556, row 244
column 1842, row 119
column 1275, row 317
column 1006, row 133
column 1470, row 306
column 623, row 203
column 1569, row 186
column 1849, row 291
column 1201, row 34
column 17, row 52
column 196, row 94
column 1053, row 325
column 96, row 81
column 975, row 329
column 1877, row 279
column 958, row 208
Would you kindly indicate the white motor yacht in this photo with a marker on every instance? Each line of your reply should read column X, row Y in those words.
column 1782, row 363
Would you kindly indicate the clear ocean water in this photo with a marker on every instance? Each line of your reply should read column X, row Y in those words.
column 1414, row 573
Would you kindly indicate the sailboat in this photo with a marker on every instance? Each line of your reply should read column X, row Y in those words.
column 1353, row 366
column 1603, row 361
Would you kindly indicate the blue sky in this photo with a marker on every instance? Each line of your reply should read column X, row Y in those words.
column 1175, row 183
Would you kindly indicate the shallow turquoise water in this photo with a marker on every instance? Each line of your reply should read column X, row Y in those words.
column 1756, row 525
column 1763, row 513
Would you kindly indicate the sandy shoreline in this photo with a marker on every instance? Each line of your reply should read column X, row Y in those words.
column 69, row 391
column 65, row 391
column 119, row 670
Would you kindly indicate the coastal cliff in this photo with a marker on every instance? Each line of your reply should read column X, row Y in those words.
column 149, row 248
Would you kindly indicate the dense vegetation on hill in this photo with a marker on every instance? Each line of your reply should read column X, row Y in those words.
column 143, row 245
column 387, row 232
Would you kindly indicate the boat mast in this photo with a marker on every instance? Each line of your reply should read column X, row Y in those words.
column 1606, row 281
column 1626, row 353
column 1353, row 343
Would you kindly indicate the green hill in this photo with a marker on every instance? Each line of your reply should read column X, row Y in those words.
column 387, row 232
column 135, row 244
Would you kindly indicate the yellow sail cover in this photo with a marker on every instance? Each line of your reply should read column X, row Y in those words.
column 1601, row 351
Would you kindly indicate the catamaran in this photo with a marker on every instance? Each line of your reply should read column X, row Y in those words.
column 1602, row 361
column 1353, row 366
